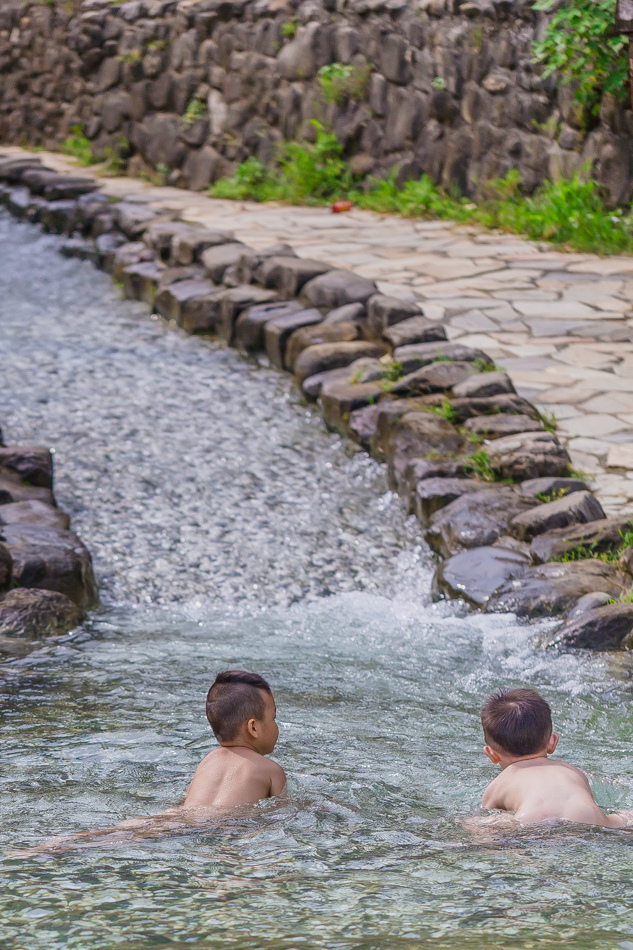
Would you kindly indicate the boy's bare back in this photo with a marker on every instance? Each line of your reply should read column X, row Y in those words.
column 541, row 789
column 227, row 777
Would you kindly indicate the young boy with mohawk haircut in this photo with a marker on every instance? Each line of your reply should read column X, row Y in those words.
column 517, row 726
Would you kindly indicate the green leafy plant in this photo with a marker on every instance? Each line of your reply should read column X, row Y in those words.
column 480, row 465
column 581, row 45
column 289, row 29
column 438, row 83
column 485, row 366
column 546, row 497
column 197, row 109
column 115, row 158
column 340, row 81
column 549, row 420
column 78, row 146
column 583, row 551
column 446, row 410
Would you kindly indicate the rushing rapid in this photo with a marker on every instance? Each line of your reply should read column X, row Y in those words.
column 228, row 528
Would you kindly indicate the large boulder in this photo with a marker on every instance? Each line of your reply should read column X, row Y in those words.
column 33, row 513
column 577, row 508
column 603, row 628
column 475, row 575
column 416, row 329
column 528, row 455
column 251, row 323
column 337, row 288
column 413, row 435
column 596, row 537
column 416, row 355
column 475, row 520
column 495, row 427
column 556, row 587
column 31, row 463
column 325, row 356
column 431, row 494
column 51, row 559
column 37, row 613
column 484, row 384
column 304, row 337
column 289, row 274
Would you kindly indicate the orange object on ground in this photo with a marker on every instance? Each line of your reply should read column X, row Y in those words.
column 339, row 206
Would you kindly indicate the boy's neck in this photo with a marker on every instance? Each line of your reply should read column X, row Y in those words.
column 241, row 743
column 505, row 759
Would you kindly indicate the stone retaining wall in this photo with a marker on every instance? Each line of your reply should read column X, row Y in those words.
column 446, row 87
column 46, row 580
column 513, row 527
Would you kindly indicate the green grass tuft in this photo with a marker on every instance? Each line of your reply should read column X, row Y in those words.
column 79, row 147
column 481, row 466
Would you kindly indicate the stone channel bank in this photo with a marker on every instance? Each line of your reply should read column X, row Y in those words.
column 446, row 87
column 513, row 527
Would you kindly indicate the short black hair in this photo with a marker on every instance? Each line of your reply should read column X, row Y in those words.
column 234, row 698
column 519, row 721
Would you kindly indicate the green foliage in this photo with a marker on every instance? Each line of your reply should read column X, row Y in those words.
column 197, row 109
column 446, row 410
column 568, row 212
column 438, row 83
column 485, row 366
column 305, row 172
column 289, row 29
column 393, row 371
column 580, row 44
column 133, row 56
column 339, row 82
column 549, row 420
column 479, row 463
column 545, row 497
column 584, row 551
column 157, row 45
column 115, row 159
column 79, row 146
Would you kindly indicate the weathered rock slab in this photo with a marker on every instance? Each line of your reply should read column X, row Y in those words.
column 528, row 455
column 30, row 463
column 37, row 613
column 431, row 494
column 337, row 288
column 577, row 508
column 326, row 356
column 476, row 574
column 51, row 559
column 475, row 520
column 603, row 628
column 595, row 537
column 554, row 588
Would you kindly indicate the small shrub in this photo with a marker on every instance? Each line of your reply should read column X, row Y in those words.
column 289, row 29
column 339, row 81
column 79, row 146
column 197, row 109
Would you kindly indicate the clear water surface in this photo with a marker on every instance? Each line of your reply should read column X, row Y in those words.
column 228, row 528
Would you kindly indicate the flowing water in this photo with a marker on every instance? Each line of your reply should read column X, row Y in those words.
column 229, row 529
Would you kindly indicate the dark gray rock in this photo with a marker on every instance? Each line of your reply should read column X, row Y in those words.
column 475, row 520
column 602, row 628
column 431, row 494
column 159, row 234
column 6, row 568
column 495, row 427
column 69, row 188
column 417, row 355
column 251, row 265
column 278, row 331
column 33, row 513
column 51, row 559
column 413, row 435
column 384, row 311
column 337, row 288
column 187, row 247
column 200, row 313
column 598, row 536
column 339, row 398
column 503, row 403
column 484, row 384
column 170, row 300
column 125, row 254
column 555, row 588
column 12, row 489
column 57, row 216
column 140, row 281
column 233, row 301
column 37, row 613
column 318, row 333
column 476, row 574
column 577, row 508
column 528, row 455
column 362, row 371
column 419, row 469
column 545, row 488
column 216, row 259
column 250, row 325
column 30, row 463
column 106, row 246
column 289, row 274
column 79, row 248
column 326, row 356
column 349, row 313
column 414, row 330
column 597, row 598
column 432, row 378
column 132, row 218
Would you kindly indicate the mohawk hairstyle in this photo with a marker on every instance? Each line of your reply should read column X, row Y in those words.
column 519, row 721
column 234, row 698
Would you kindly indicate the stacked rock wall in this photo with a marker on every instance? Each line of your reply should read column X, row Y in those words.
column 446, row 87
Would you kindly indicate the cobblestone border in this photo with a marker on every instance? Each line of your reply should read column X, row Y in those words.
column 514, row 528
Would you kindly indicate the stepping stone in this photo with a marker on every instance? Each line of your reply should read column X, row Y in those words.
column 476, row 574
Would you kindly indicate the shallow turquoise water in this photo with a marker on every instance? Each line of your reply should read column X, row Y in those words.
column 229, row 529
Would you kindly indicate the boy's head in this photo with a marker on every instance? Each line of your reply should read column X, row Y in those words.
column 517, row 723
column 241, row 711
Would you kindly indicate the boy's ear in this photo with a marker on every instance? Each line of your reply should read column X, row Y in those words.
column 492, row 754
column 552, row 743
column 251, row 728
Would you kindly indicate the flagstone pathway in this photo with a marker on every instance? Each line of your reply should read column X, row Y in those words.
column 560, row 323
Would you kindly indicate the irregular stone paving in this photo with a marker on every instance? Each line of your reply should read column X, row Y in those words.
column 561, row 324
